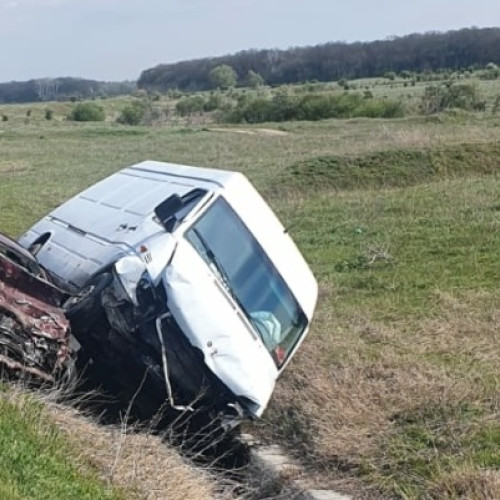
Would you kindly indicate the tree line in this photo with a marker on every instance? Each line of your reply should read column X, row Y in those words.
column 433, row 51
column 61, row 89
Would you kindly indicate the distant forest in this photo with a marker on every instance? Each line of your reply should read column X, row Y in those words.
column 61, row 89
column 470, row 48
column 433, row 51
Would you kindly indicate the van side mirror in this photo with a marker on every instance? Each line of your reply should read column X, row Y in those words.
column 166, row 211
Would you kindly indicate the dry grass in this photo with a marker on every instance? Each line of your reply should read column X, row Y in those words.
column 139, row 462
column 352, row 391
column 469, row 484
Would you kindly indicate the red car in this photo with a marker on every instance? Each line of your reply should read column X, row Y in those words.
column 34, row 332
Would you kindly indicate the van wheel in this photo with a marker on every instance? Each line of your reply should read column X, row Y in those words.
column 81, row 307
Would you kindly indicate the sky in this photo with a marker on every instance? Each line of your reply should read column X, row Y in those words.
column 117, row 39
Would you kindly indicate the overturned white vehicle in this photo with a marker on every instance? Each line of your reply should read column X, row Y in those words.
column 188, row 290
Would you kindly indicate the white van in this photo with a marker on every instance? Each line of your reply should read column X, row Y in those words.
column 188, row 288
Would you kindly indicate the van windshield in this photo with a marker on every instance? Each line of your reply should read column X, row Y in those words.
column 239, row 262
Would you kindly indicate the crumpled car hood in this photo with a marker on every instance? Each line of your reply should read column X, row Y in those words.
column 212, row 322
column 34, row 332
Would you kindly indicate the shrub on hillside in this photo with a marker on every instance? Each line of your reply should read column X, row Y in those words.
column 256, row 110
column 492, row 72
column 214, row 102
column 438, row 98
column 140, row 93
column 343, row 83
column 223, row 77
column 87, row 112
column 254, row 79
column 190, row 105
column 155, row 96
column 132, row 114
column 284, row 107
column 174, row 94
column 378, row 108
column 313, row 107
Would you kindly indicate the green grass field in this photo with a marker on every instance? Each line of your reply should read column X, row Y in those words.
column 37, row 462
column 397, row 389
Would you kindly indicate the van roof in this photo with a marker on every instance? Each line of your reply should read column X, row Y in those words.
column 220, row 178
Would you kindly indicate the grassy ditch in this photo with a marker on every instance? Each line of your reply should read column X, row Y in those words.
column 52, row 451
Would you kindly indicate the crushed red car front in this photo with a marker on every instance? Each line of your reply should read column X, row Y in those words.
column 34, row 332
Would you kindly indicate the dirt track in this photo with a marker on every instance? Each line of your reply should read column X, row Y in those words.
column 256, row 131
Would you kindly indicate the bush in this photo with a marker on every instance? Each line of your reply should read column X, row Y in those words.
column 223, row 76
column 316, row 107
column 256, row 110
column 5, row 118
column 140, row 93
column 189, row 105
column 87, row 112
column 492, row 72
column 344, row 105
column 214, row 102
column 132, row 114
column 155, row 96
column 49, row 114
column 283, row 107
column 380, row 109
column 254, row 80
column 438, row 98
column 174, row 94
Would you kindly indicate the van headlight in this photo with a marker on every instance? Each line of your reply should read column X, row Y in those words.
column 130, row 270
